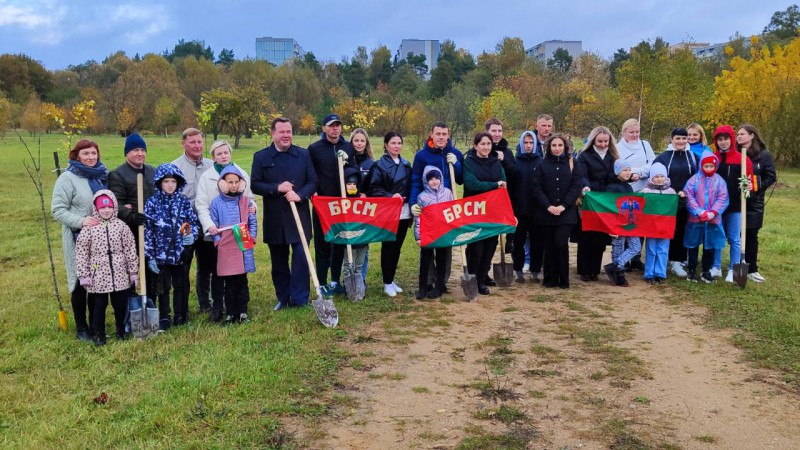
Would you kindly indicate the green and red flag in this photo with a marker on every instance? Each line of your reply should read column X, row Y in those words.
column 470, row 219
column 357, row 221
column 629, row 214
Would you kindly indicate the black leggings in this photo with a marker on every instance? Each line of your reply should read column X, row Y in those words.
column 79, row 300
column 237, row 294
column 437, row 256
column 390, row 252
column 119, row 301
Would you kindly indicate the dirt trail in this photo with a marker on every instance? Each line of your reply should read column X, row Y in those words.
column 594, row 366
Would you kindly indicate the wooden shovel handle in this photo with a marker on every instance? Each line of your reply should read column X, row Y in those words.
column 305, row 246
column 140, row 210
column 344, row 195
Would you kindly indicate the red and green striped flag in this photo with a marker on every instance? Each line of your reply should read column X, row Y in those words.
column 358, row 221
column 470, row 219
column 629, row 214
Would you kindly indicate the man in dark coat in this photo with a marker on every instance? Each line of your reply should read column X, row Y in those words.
column 284, row 173
column 325, row 155
column 122, row 182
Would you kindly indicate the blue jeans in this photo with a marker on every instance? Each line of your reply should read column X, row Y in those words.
column 732, row 223
column 364, row 267
column 624, row 248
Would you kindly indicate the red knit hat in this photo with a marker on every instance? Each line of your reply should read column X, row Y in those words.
column 103, row 201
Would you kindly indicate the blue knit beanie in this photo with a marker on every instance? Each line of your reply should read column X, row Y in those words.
column 133, row 142
column 620, row 165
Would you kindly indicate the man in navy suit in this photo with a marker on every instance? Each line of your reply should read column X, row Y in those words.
column 284, row 173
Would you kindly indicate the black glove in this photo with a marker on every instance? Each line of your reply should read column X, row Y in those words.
column 139, row 218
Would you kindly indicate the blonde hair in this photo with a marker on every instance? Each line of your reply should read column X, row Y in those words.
column 218, row 144
column 696, row 126
column 628, row 124
column 612, row 143
column 368, row 148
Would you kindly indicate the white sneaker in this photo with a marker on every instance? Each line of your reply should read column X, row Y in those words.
column 388, row 289
column 526, row 268
column 729, row 276
column 677, row 269
column 757, row 277
column 716, row 272
column 396, row 287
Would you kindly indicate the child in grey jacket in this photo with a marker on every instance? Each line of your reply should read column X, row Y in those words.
column 434, row 192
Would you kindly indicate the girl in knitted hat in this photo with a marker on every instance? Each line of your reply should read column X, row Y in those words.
column 106, row 264
column 657, row 249
column 706, row 200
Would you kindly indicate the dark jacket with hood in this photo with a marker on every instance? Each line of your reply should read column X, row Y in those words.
column 163, row 241
column 429, row 155
column 730, row 167
column 555, row 183
column 681, row 165
column 324, row 157
column 481, row 174
column 521, row 192
column 122, row 182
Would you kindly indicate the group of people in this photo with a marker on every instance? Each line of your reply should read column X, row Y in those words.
column 205, row 208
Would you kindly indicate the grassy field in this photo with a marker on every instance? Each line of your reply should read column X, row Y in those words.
column 206, row 386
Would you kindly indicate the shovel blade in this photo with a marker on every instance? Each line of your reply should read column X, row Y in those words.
column 503, row 274
column 470, row 286
column 354, row 285
column 326, row 311
column 740, row 271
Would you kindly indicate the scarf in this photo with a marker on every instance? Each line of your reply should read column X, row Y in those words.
column 219, row 168
column 600, row 153
column 97, row 175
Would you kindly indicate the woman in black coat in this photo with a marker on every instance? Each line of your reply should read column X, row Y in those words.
column 557, row 184
column 483, row 172
column 597, row 163
column 748, row 139
column 390, row 176
column 522, row 202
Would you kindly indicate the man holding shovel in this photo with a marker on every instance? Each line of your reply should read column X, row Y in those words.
column 283, row 173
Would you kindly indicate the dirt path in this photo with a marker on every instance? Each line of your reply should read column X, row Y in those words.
column 591, row 367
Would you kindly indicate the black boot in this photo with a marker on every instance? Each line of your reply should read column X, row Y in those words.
column 99, row 339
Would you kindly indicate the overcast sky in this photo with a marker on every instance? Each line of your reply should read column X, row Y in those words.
column 59, row 33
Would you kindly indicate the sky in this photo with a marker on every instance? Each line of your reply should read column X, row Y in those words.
column 59, row 33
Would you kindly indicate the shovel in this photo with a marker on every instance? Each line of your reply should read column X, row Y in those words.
column 741, row 268
column 503, row 272
column 142, row 311
column 353, row 285
column 468, row 281
column 325, row 309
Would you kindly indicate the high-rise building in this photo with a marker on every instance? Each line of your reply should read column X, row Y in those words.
column 429, row 48
column 278, row 50
column 544, row 52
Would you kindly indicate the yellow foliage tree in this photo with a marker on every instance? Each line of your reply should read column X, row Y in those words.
column 307, row 124
column 763, row 90
column 501, row 103
column 359, row 113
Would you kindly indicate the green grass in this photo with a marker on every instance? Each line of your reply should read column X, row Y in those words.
column 766, row 316
column 198, row 386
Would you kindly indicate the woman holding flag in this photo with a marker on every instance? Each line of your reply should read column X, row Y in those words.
column 483, row 172
column 557, row 184
column 390, row 176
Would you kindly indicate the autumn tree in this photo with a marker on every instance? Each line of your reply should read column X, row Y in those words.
column 561, row 60
column 500, row 103
column 196, row 76
column 196, row 48
column 784, row 25
column 380, row 69
column 238, row 109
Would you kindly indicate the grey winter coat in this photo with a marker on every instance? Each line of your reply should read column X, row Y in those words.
column 72, row 202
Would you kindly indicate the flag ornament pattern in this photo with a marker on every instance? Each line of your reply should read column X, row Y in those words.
column 358, row 221
column 470, row 219
column 630, row 214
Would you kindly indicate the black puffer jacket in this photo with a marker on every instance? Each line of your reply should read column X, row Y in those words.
column 122, row 182
column 324, row 156
column 765, row 175
column 556, row 184
column 387, row 178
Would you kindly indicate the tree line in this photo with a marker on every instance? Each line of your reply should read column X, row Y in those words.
column 755, row 80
